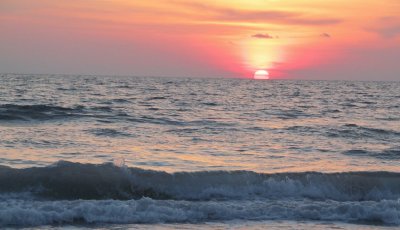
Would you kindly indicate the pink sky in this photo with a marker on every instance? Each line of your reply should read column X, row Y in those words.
column 324, row 39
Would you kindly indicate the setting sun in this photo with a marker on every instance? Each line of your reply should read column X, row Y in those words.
column 261, row 74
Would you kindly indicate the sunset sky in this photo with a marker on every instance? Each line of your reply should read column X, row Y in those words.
column 302, row 39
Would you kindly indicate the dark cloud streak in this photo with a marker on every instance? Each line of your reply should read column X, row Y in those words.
column 325, row 35
column 262, row 36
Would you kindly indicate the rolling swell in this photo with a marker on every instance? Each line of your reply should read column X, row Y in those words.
column 66, row 180
column 388, row 154
column 41, row 112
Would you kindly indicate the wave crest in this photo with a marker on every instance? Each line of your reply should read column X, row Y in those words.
column 13, row 112
column 66, row 180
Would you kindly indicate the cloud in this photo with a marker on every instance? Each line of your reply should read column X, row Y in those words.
column 325, row 35
column 262, row 36
column 387, row 27
column 257, row 16
column 278, row 17
column 389, row 31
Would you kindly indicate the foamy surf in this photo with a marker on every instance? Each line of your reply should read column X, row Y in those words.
column 68, row 193
column 21, row 212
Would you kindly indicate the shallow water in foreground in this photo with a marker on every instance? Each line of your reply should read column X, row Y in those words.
column 240, row 225
column 130, row 152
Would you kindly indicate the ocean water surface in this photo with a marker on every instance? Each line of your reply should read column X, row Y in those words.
column 161, row 153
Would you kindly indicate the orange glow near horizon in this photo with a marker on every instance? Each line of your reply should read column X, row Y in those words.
column 200, row 38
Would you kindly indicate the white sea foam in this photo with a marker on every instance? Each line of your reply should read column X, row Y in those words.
column 33, row 213
column 68, row 193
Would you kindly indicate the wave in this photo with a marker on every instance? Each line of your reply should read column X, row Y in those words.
column 75, row 193
column 368, row 131
column 71, row 181
column 147, row 210
column 105, row 114
column 347, row 131
column 388, row 154
column 108, row 132
column 14, row 112
column 44, row 112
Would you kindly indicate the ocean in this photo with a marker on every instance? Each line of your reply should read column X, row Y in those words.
column 112, row 152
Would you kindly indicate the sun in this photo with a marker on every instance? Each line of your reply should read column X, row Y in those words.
column 261, row 74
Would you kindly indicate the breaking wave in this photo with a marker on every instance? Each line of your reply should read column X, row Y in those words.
column 67, row 180
column 68, row 193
